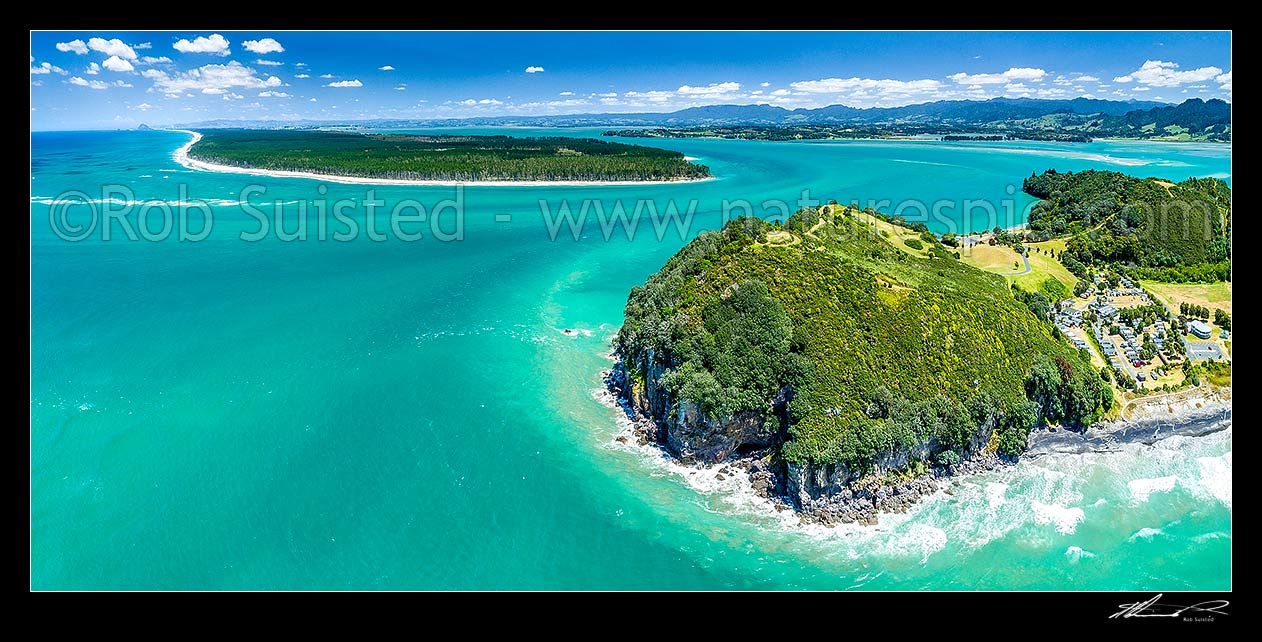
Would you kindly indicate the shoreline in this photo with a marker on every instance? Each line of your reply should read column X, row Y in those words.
column 181, row 156
column 864, row 500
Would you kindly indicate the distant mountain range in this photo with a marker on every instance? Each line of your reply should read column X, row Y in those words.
column 1193, row 117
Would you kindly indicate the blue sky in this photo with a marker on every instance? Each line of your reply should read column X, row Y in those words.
column 88, row 80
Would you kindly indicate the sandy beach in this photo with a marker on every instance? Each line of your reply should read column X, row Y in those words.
column 181, row 156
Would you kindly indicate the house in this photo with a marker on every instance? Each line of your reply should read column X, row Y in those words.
column 1200, row 329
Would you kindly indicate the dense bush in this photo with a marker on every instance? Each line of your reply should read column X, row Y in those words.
column 470, row 158
column 881, row 349
column 1170, row 232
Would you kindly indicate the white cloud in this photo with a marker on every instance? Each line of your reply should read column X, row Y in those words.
column 1159, row 73
column 94, row 84
column 268, row 63
column 120, row 83
column 566, row 93
column 37, row 83
column 232, row 96
column 144, row 106
column 153, row 60
column 326, row 75
column 112, row 47
column 273, row 94
column 710, row 90
column 143, row 45
column 1142, row 89
column 401, row 88
column 300, row 64
column 1014, row 74
column 1085, row 78
column 608, row 94
column 209, row 79
column 781, row 92
column 764, row 84
column 76, row 46
column 1224, row 81
column 114, row 63
column 47, row 68
column 841, row 85
column 385, row 68
column 311, row 100
column 214, row 44
column 484, row 101
column 534, row 70
column 302, row 75
column 346, row 83
column 262, row 46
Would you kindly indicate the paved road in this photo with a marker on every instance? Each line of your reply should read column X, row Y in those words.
column 1026, row 258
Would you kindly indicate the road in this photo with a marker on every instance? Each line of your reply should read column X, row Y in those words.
column 1026, row 258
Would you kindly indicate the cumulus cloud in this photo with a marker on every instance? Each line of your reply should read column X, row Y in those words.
column 143, row 45
column 842, row 85
column 326, row 75
column 710, row 90
column 75, row 45
column 213, row 44
column 534, row 70
column 764, row 84
column 112, row 47
column 302, row 75
column 144, row 106
column 1224, row 81
column 153, row 60
column 1085, row 78
column 484, row 101
column 46, row 68
column 93, row 69
column 385, row 68
column 346, row 83
column 93, row 84
column 209, row 79
column 268, row 63
column 273, row 94
column 567, row 93
column 1014, row 74
column 114, row 63
column 1160, row 73
column 262, row 46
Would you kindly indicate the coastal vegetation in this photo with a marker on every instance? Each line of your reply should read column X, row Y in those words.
column 843, row 348
column 1153, row 229
column 451, row 158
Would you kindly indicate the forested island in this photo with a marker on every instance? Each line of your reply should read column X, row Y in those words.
column 855, row 368
column 440, row 157
column 1156, row 229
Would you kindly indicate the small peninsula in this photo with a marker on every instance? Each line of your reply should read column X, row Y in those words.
column 856, row 365
column 407, row 158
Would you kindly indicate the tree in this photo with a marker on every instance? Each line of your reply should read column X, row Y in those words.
column 1081, row 287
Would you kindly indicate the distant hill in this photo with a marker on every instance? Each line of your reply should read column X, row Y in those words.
column 952, row 110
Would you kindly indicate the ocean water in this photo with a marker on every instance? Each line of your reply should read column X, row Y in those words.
column 387, row 414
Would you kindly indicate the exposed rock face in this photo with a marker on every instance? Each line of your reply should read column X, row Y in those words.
column 827, row 494
column 682, row 427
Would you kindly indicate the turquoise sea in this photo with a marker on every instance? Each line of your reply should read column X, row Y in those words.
column 224, row 414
